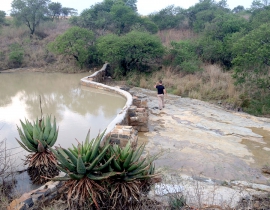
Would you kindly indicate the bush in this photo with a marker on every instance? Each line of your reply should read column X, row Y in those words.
column 184, row 56
column 16, row 55
column 133, row 51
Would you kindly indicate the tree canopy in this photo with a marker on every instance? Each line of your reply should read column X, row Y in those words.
column 133, row 51
column 30, row 12
column 76, row 42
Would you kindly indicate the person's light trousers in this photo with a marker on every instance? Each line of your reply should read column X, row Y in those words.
column 160, row 101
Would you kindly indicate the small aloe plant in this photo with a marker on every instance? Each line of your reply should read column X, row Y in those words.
column 35, row 138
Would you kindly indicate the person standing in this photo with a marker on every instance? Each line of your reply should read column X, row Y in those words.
column 161, row 91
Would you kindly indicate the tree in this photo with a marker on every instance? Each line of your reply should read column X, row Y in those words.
column 132, row 4
column 213, row 46
column 30, row 12
column 76, row 42
column 169, row 17
column 55, row 9
column 123, row 18
column 133, row 51
column 252, row 58
column 2, row 17
column 257, row 4
column 238, row 9
column 66, row 11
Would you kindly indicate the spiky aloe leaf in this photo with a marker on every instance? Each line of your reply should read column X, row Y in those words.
column 54, row 138
column 26, row 142
column 96, row 146
column 47, row 127
column 52, row 133
column 104, row 165
column 128, row 159
column 22, row 145
column 76, row 176
column 139, row 171
column 136, row 165
column 80, row 166
column 27, row 135
column 116, row 165
column 103, row 176
column 138, row 153
column 71, row 156
column 65, row 163
column 98, row 158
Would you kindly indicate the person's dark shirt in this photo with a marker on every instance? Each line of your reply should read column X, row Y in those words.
column 160, row 89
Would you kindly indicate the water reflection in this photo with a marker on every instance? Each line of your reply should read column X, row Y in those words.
column 76, row 108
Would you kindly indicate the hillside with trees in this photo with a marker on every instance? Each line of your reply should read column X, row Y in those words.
column 208, row 51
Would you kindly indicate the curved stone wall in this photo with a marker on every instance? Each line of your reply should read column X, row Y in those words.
column 94, row 81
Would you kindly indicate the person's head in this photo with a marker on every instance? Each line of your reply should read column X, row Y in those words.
column 160, row 81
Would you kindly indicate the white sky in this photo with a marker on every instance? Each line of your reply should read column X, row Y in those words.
column 144, row 6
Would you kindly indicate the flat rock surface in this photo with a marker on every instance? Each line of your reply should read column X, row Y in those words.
column 205, row 140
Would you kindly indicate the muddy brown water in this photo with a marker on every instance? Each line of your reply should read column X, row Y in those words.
column 261, row 152
column 76, row 108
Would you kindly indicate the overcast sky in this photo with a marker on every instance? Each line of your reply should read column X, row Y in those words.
column 144, row 6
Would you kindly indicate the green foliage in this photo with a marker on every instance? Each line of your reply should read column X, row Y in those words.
column 76, row 42
column 30, row 12
column 129, row 164
column 133, row 51
column 238, row 9
column 123, row 18
column 55, row 10
column 2, row 17
column 97, row 18
column 101, row 173
column 16, row 54
column 149, row 25
column 67, row 11
column 118, row 17
column 37, row 136
column 184, row 56
column 169, row 17
column 204, row 12
column 85, row 160
column 259, row 106
column 252, row 53
column 259, row 17
column 215, row 44
column 177, row 201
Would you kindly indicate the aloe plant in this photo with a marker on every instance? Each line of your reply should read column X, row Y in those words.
column 95, row 174
column 84, row 165
column 35, row 138
column 135, row 174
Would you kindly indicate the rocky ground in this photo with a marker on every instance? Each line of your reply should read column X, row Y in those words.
column 207, row 149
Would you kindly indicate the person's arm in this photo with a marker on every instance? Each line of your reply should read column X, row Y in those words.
column 165, row 92
column 155, row 86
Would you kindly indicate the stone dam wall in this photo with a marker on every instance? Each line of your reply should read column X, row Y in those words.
column 133, row 118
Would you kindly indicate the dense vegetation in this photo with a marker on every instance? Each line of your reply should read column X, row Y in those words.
column 235, row 41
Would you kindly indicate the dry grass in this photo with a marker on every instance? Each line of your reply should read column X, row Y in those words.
column 169, row 35
column 35, row 53
column 211, row 84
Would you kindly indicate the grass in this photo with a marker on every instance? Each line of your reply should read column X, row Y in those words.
column 212, row 84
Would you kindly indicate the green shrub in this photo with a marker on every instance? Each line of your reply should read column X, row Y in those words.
column 16, row 54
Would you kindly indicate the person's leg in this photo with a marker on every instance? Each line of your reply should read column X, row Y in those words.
column 162, row 100
column 159, row 101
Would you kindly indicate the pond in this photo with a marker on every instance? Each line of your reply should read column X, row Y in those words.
column 76, row 108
